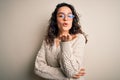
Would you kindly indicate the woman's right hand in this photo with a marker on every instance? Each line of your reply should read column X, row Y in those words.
column 65, row 38
column 81, row 73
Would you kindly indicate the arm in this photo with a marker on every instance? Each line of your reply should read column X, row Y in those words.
column 72, row 56
column 43, row 70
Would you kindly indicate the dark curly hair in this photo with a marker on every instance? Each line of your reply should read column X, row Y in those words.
column 53, row 27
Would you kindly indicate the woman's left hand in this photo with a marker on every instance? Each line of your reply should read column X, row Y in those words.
column 81, row 73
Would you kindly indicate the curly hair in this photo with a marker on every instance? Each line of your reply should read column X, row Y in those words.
column 53, row 27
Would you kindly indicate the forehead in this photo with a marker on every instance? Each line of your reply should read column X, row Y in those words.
column 64, row 9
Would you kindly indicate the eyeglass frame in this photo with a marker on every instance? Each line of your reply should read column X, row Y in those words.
column 63, row 15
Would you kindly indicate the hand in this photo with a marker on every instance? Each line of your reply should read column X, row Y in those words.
column 65, row 38
column 81, row 73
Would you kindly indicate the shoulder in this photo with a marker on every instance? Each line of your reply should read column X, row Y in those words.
column 80, row 37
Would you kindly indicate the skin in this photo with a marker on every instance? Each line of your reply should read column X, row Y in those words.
column 64, row 25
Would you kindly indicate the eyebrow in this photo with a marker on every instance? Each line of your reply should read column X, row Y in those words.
column 64, row 13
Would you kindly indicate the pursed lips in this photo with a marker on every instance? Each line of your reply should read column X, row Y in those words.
column 65, row 24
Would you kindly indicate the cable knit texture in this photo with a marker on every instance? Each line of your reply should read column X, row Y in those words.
column 62, row 62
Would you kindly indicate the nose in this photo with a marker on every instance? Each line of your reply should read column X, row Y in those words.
column 65, row 18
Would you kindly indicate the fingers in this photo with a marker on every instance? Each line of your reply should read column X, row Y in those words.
column 78, row 75
column 65, row 38
column 82, row 69
column 81, row 73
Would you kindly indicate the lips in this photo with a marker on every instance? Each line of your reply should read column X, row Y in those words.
column 65, row 24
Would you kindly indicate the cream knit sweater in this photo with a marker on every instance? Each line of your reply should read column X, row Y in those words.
column 62, row 62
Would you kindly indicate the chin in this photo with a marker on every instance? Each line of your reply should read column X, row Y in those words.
column 66, row 29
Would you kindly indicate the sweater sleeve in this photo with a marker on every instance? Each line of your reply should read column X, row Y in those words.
column 71, row 59
column 44, row 70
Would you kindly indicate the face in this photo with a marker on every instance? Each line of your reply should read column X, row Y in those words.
column 64, row 18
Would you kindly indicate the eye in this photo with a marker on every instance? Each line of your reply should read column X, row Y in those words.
column 61, row 16
column 71, row 16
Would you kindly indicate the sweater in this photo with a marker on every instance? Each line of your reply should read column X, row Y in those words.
column 62, row 62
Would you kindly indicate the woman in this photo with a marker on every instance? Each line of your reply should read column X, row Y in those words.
column 61, row 54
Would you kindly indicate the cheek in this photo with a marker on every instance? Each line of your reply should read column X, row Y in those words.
column 59, row 22
column 70, row 23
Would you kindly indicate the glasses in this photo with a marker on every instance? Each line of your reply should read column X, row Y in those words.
column 63, row 16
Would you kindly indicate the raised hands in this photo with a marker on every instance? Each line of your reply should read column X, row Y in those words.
column 66, row 37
